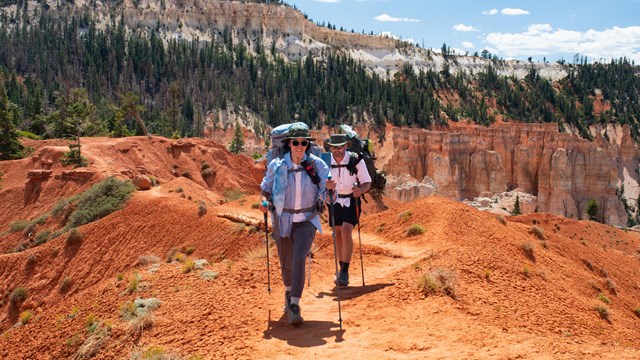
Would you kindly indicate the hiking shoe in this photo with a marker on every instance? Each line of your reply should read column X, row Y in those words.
column 294, row 315
column 342, row 279
column 287, row 301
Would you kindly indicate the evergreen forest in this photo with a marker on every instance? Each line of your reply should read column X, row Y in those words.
column 61, row 76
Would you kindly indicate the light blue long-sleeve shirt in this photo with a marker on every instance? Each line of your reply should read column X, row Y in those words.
column 280, row 183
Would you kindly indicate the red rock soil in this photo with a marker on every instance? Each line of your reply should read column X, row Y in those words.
column 504, row 305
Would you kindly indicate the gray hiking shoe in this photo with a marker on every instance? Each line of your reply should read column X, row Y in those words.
column 294, row 315
column 342, row 279
column 287, row 301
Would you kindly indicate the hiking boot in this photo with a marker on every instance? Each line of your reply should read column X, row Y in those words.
column 294, row 315
column 342, row 279
column 287, row 301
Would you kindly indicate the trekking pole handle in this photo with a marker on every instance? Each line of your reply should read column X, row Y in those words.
column 265, row 203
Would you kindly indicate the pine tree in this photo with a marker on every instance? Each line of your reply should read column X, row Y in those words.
column 516, row 207
column 237, row 143
column 592, row 209
column 10, row 147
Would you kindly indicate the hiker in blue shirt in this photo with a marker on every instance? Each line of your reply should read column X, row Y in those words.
column 295, row 185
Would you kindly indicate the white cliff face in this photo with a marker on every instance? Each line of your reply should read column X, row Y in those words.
column 294, row 36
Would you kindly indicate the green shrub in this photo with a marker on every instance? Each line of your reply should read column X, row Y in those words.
column 42, row 237
column 233, row 195
column 603, row 298
column 405, row 215
column 415, row 229
column 19, row 225
column 637, row 311
column 28, row 135
column 74, row 156
column 17, row 296
column 101, row 200
column 59, row 206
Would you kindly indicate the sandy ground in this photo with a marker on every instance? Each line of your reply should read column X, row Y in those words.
column 503, row 303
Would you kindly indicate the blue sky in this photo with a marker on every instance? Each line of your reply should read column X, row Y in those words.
column 515, row 29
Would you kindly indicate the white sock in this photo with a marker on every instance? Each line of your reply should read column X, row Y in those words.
column 295, row 300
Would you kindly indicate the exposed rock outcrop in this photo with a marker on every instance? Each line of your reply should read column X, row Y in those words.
column 561, row 169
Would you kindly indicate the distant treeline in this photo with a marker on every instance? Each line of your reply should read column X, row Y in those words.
column 62, row 73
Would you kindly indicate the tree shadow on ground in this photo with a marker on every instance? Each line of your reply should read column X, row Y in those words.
column 311, row 333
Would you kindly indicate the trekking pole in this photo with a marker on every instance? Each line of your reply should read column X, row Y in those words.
column 357, row 200
column 266, row 239
column 335, row 251
column 309, row 276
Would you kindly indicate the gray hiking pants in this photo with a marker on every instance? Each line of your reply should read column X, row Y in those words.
column 292, row 252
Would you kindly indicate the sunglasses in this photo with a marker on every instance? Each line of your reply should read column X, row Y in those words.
column 296, row 142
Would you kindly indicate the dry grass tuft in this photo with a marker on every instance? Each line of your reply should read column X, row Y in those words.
column 538, row 232
column 528, row 250
column 439, row 280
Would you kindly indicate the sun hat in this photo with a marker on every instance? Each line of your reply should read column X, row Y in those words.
column 299, row 132
column 337, row 140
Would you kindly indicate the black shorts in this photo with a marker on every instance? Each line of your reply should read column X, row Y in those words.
column 344, row 214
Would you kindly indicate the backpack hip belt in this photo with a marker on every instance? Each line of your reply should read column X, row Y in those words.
column 298, row 211
column 345, row 195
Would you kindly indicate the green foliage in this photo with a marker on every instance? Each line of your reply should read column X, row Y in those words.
column 405, row 215
column 18, row 296
column 10, row 147
column 237, row 143
column 415, row 229
column 113, row 64
column 592, row 209
column 100, row 200
column 233, row 195
column 603, row 298
column 516, row 207
column 74, row 156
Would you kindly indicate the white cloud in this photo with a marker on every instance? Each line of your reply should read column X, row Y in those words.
column 462, row 27
column 510, row 11
column 490, row 12
column 542, row 39
column 468, row 45
column 536, row 29
column 387, row 18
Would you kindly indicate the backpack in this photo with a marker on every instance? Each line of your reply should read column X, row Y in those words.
column 362, row 150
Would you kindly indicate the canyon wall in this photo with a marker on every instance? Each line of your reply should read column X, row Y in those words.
column 561, row 169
